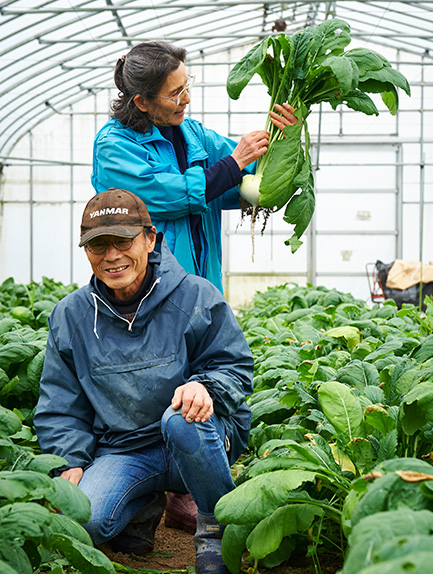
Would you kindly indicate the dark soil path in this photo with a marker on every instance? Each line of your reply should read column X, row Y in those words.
column 174, row 551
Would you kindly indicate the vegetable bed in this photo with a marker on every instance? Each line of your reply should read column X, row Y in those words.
column 339, row 459
column 40, row 516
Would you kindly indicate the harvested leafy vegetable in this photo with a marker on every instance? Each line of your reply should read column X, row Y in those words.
column 308, row 68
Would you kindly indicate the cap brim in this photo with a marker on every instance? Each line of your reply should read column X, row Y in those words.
column 122, row 232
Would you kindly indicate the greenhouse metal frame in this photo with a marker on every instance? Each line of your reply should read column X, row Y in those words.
column 57, row 60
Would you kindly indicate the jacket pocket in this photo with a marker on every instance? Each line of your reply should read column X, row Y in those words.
column 135, row 366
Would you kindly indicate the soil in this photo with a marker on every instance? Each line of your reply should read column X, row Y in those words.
column 174, row 551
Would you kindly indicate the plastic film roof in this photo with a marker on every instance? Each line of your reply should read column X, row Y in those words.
column 55, row 53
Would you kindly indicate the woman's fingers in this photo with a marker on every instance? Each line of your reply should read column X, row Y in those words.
column 283, row 116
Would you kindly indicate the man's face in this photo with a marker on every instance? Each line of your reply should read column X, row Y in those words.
column 123, row 271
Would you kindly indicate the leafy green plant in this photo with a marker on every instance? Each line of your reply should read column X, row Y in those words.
column 305, row 69
column 398, row 541
column 340, row 389
column 40, row 516
column 24, row 311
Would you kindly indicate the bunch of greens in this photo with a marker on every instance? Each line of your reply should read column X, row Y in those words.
column 307, row 68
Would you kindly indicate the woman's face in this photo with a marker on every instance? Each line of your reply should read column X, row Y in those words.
column 163, row 112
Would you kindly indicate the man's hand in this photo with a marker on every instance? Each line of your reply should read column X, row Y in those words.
column 195, row 400
column 73, row 475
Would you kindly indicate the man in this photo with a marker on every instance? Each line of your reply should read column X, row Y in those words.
column 144, row 384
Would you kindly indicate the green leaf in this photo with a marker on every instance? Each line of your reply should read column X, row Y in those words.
column 34, row 371
column 12, row 491
column 342, row 409
column 38, row 485
column 329, row 38
column 267, row 536
column 45, row 462
column 300, row 208
column 23, row 314
column 83, row 557
column 345, row 71
column 65, row 525
column 425, row 351
column 373, row 531
column 260, row 496
column 9, row 422
column 22, row 521
column 233, row 545
column 367, row 60
column 358, row 374
column 351, row 335
column 379, row 418
column 285, row 159
column 6, row 568
column 356, row 100
column 412, row 562
column 245, row 69
column 416, row 409
column 71, row 500
column 12, row 554
column 386, row 75
column 15, row 353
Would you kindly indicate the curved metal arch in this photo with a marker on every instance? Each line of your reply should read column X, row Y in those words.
column 76, row 42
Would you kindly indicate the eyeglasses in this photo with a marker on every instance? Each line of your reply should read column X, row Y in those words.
column 186, row 88
column 98, row 246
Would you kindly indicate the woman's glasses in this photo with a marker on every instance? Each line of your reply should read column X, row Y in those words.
column 186, row 88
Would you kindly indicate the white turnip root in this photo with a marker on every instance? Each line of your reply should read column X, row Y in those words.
column 249, row 188
column 249, row 192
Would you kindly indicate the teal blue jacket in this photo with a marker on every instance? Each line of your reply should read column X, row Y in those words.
column 146, row 165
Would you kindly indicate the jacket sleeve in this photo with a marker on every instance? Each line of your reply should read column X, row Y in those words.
column 64, row 417
column 221, row 358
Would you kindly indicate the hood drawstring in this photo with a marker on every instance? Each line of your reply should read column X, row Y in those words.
column 139, row 305
column 95, row 301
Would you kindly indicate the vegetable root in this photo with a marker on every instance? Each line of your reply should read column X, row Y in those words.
column 249, row 191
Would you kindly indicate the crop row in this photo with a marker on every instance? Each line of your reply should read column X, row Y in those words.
column 339, row 459
column 41, row 516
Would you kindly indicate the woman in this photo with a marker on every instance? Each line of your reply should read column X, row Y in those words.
column 185, row 173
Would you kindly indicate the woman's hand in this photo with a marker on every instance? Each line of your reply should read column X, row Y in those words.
column 195, row 401
column 73, row 475
column 284, row 117
column 251, row 147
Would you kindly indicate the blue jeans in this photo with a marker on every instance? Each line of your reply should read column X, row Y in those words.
column 191, row 458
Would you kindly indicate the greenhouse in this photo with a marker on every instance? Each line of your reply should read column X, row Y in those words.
column 373, row 175
column 325, row 267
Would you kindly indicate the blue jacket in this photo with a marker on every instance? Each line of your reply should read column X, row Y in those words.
column 146, row 165
column 106, row 382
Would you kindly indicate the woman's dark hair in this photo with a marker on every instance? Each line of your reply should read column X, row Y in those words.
column 142, row 71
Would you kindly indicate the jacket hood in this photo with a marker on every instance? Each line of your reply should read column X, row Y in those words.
column 168, row 274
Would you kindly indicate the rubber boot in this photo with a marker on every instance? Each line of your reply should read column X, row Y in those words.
column 207, row 541
column 138, row 536
column 181, row 512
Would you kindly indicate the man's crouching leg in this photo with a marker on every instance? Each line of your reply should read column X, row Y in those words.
column 139, row 535
column 199, row 454
column 126, row 507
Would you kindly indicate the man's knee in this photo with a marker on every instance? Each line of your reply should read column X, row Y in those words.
column 173, row 424
column 179, row 434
